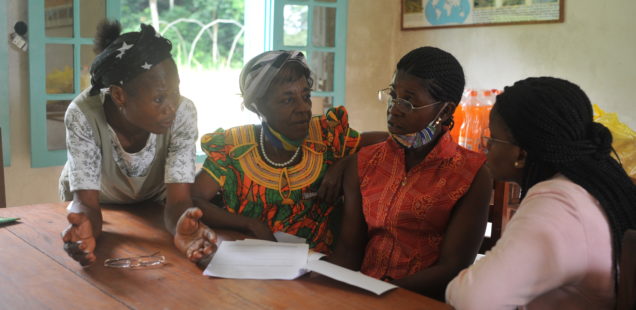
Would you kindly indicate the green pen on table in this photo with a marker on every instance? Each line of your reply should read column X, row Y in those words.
column 5, row 220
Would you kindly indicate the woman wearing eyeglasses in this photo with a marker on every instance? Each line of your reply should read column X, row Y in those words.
column 560, row 249
column 416, row 205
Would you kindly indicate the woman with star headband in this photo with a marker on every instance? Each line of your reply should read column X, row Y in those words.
column 283, row 175
column 130, row 137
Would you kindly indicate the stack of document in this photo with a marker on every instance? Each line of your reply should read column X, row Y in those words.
column 260, row 259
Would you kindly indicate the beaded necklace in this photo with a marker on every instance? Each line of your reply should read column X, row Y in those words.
column 269, row 161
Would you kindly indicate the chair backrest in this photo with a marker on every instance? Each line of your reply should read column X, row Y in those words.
column 626, row 298
column 3, row 198
column 503, row 204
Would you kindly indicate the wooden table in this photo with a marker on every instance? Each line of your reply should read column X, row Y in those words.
column 36, row 272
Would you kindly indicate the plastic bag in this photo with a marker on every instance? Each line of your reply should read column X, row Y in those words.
column 623, row 139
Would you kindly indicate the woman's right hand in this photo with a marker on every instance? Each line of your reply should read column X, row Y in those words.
column 79, row 242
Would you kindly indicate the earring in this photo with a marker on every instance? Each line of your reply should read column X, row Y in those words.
column 517, row 164
column 439, row 120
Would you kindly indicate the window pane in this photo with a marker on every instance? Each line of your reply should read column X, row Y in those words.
column 321, row 64
column 295, row 25
column 320, row 104
column 324, row 27
column 59, row 69
column 208, row 57
column 86, row 59
column 56, row 133
column 91, row 13
column 58, row 16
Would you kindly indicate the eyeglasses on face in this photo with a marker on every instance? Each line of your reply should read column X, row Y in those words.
column 486, row 142
column 403, row 106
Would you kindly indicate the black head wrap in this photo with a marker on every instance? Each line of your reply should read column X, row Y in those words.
column 129, row 55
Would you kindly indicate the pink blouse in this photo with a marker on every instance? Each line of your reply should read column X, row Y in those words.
column 555, row 253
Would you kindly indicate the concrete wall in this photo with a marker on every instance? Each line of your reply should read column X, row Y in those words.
column 595, row 48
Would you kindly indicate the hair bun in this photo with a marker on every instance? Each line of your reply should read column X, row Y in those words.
column 107, row 32
column 602, row 139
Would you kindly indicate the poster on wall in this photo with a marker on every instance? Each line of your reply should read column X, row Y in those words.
column 418, row 14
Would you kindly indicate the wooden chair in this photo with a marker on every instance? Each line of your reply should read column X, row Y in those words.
column 503, row 204
column 3, row 200
column 626, row 297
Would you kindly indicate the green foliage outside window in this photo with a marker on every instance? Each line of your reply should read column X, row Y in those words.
column 215, row 45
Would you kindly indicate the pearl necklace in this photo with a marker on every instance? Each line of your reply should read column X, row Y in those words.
column 269, row 161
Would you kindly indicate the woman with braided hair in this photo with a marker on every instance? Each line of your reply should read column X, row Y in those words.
column 130, row 136
column 416, row 205
column 560, row 249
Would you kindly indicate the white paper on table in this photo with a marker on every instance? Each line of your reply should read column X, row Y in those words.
column 258, row 259
column 349, row 276
column 262, row 259
column 285, row 237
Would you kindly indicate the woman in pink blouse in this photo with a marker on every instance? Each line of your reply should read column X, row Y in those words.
column 559, row 250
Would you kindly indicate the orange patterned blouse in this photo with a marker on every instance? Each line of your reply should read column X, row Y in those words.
column 284, row 198
column 407, row 212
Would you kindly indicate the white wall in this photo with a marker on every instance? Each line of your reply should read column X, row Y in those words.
column 595, row 47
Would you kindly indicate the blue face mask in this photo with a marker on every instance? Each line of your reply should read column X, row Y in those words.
column 420, row 138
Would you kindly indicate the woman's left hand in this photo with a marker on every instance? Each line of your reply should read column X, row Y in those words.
column 331, row 187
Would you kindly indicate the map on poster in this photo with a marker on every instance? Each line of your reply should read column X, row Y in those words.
column 444, row 13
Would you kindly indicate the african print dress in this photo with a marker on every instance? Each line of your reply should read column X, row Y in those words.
column 284, row 198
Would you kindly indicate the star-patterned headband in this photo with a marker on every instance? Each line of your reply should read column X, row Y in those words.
column 128, row 56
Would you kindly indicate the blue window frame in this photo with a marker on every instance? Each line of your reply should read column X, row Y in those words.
column 319, row 29
column 60, row 53
column 5, row 124
column 316, row 27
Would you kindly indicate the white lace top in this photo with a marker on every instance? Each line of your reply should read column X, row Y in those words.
column 84, row 157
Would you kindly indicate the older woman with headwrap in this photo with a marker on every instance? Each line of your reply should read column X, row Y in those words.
column 130, row 137
column 269, row 176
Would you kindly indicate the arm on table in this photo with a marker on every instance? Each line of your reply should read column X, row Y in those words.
column 204, row 189
column 352, row 241
column 178, row 200
column 193, row 237
column 180, row 164
column 85, row 225
column 461, row 242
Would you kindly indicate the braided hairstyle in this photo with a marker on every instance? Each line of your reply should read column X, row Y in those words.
column 442, row 74
column 552, row 120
